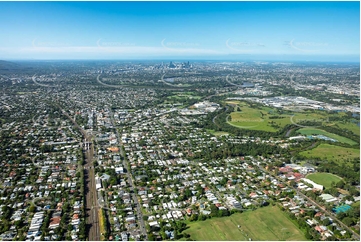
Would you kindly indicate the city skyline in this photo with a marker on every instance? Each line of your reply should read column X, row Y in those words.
column 315, row 31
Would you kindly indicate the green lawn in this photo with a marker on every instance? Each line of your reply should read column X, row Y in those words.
column 268, row 119
column 217, row 133
column 350, row 126
column 324, row 117
column 256, row 119
column 180, row 96
column 310, row 116
column 313, row 131
column 268, row 223
column 324, row 179
column 331, row 152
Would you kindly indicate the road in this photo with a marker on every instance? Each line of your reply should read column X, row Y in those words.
column 40, row 84
column 107, row 85
column 89, row 186
column 231, row 83
column 133, row 86
column 288, row 132
column 130, row 181
column 223, row 93
column 299, row 125
column 214, row 118
column 169, row 83
column 355, row 235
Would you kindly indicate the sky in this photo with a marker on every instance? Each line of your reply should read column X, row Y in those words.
column 180, row 30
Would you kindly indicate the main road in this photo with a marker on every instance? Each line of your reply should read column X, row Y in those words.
column 172, row 87
column 130, row 181
column 40, row 84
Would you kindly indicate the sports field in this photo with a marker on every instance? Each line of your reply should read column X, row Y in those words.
column 313, row 131
column 267, row 223
column 324, row 179
column 331, row 152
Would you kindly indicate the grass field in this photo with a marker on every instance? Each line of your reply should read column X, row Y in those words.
column 265, row 119
column 217, row 133
column 350, row 126
column 179, row 96
column 256, row 119
column 310, row 116
column 268, row 223
column 324, row 179
column 324, row 117
column 233, row 102
column 331, row 152
column 312, row 131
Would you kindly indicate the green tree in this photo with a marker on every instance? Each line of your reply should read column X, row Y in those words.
column 348, row 221
column 326, row 222
column 32, row 209
column 214, row 210
column 223, row 212
column 202, row 217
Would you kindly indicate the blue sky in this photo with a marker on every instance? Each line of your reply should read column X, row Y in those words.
column 198, row 30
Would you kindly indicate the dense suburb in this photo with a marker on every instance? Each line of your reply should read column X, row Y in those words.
column 112, row 150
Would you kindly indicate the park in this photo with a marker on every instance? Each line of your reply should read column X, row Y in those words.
column 267, row 223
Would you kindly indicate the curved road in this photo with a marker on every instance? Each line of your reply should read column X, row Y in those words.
column 167, row 82
column 130, row 86
column 231, row 83
column 214, row 118
column 302, row 126
column 40, row 84
column 108, row 85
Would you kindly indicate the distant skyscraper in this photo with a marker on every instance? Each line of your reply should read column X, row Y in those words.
column 171, row 65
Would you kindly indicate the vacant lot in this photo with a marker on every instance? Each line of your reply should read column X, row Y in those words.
column 312, row 131
column 331, row 152
column 324, row 179
column 268, row 223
